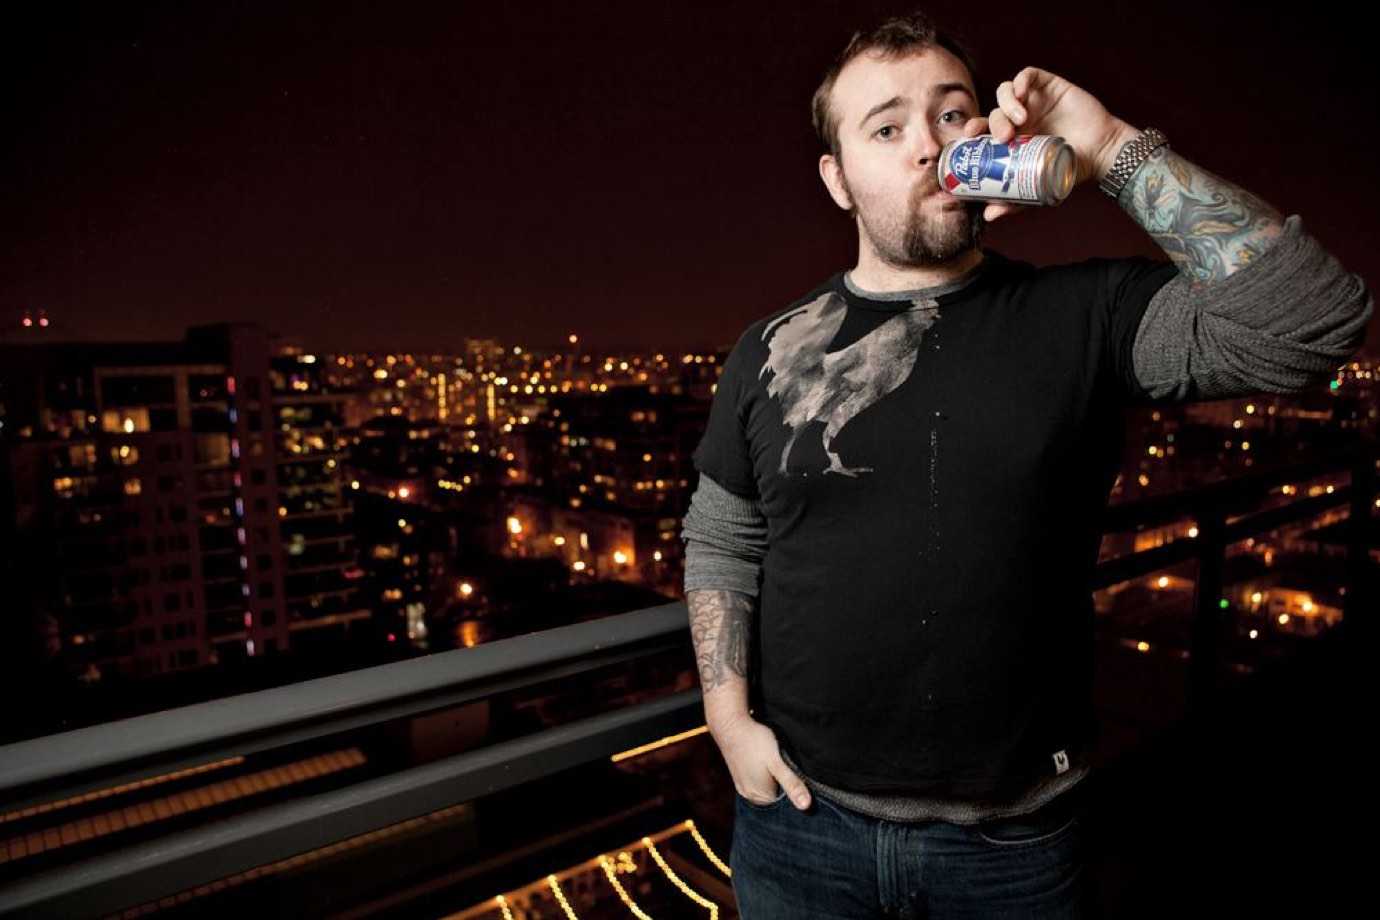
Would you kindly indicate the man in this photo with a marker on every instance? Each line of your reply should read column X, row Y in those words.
column 889, row 551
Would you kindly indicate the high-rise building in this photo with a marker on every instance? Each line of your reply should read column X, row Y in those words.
column 147, row 502
column 322, row 578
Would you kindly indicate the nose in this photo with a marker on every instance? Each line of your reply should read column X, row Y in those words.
column 928, row 146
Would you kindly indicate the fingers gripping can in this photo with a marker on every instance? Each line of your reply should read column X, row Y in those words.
column 1029, row 169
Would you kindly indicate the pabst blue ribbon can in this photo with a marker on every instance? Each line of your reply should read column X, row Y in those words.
column 1029, row 169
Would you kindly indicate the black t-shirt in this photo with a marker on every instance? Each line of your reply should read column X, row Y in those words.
column 932, row 473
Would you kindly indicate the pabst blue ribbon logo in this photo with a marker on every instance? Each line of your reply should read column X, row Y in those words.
column 965, row 157
column 979, row 159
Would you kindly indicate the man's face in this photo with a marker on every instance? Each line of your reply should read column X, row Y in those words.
column 890, row 155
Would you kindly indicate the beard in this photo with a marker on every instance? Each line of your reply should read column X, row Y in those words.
column 913, row 239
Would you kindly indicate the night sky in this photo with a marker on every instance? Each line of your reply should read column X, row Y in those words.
column 403, row 174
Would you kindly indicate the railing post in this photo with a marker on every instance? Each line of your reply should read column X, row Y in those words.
column 1206, row 643
column 1358, row 610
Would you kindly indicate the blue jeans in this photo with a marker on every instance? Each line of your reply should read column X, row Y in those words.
column 832, row 863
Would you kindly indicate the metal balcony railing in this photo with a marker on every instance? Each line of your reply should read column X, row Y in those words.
column 70, row 764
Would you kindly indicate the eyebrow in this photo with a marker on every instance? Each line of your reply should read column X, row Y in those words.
column 941, row 89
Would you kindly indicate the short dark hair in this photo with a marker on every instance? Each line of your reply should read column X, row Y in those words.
column 897, row 37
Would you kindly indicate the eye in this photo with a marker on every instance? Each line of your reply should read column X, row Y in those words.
column 957, row 112
column 881, row 129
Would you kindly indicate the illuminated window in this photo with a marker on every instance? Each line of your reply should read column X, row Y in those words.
column 81, row 456
column 125, row 420
column 212, row 449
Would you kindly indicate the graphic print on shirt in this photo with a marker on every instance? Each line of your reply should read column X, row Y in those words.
column 834, row 387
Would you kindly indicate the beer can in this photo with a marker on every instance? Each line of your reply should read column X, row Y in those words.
column 1029, row 169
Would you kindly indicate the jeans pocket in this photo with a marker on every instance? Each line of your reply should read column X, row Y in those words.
column 1027, row 830
column 751, row 804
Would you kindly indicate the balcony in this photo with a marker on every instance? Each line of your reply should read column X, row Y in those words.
column 479, row 781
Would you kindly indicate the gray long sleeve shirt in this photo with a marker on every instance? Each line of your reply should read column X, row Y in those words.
column 1280, row 325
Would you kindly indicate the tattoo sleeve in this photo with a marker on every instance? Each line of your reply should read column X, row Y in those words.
column 1207, row 226
column 720, row 627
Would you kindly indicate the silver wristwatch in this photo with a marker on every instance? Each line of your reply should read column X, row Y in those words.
column 1132, row 154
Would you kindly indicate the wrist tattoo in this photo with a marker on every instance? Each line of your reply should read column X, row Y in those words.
column 719, row 627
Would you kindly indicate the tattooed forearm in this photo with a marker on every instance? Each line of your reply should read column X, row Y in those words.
column 720, row 623
column 1207, row 226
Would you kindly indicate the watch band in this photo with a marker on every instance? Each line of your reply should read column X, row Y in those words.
column 1132, row 154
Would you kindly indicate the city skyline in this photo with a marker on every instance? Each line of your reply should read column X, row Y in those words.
column 351, row 181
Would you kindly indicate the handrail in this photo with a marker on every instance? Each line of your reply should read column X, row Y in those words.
column 158, row 742
column 177, row 862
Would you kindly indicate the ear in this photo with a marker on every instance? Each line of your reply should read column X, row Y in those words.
column 833, row 180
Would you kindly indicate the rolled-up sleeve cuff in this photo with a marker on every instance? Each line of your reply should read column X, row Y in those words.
column 725, row 539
